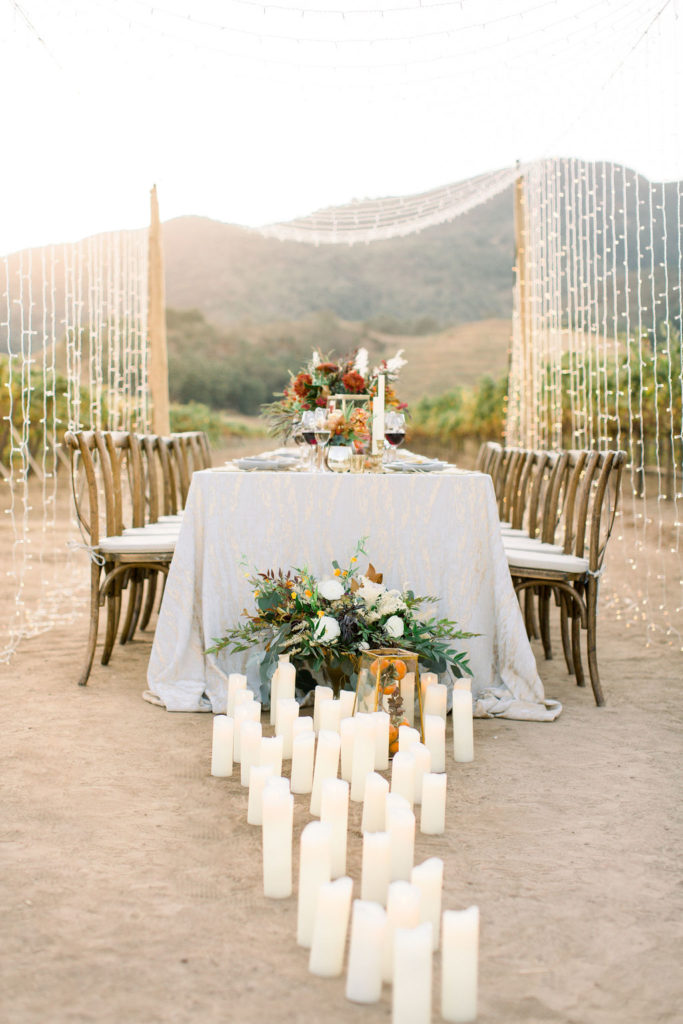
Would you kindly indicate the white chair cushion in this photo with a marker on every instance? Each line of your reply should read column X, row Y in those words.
column 171, row 519
column 529, row 544
column 507, row 531
column 167, row 529
column 546, row 560
column 154, row 544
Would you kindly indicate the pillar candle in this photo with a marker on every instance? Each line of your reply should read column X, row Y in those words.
column 321, row 694
column 395, row 800
column 463, row 684
column 258, row 776
column 435, row 741
column 242, row 695
column 347, row 699
column 250, row 748
column 423, row 764
column 236, row 681
column 286, row 685
column 407, row 737
column 326, row 765
column 287, row 713
column 330, row 715
column 407, row 689
column 374, row 803
column 304, row 723
column 364, row 973
column 412, row 991
column 347, row 729
column 246, row 711
column 403, row 911
column 436, row 700
column 433, row 812
column 273, row 694
column 278, row 818
column 401, row 828
column 303, row 751
column 363, row 755
column 334, row 811
column 427, row 679
column 376, row 867
column 271, row 753
column 332, row 913
column 460, row 963
column 315, row 865
column 428, row 878
column 403, row 775
column 463, row 737
column 382, row 722
column 221, row 746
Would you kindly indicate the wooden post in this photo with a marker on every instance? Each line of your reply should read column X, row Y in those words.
column 156, row 325
column 527, row 411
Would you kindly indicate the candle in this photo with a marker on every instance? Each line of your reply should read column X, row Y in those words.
column 433, row 815
column 347, row 729
column 322, row 693
column 236, row 681
column 412, row 992
column 326, row 765
column 287, row 713
column 245, row 711
column 376, row 867
column 382, row 722
column 334, row 811
column 221, row 746
column 364, row 973
column 303, row 751
column 331, row 924
column 436, row 700
column 423, row 764
column 347, row 699
column 407, row 737
column 278, row 818
column 403, row 911
column 460, row 959
column 315, row 866
column 250, row 748
column 394, row 800
column 241, row 696
column 363, row 755
column 428, row 878
column 300, row 725
column 271, row 753
column 427, row 679
column 403, row 775
column 378, row 417
column 374, row 803
column 273, row 694
column 330, row 715
column 435, row 741
column 407, row 690
column 463, row 684
column 258, row 776
column 286, row 685
column 463, row 738
column 401, row 828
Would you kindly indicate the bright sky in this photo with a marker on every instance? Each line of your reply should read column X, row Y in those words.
column 250, row 113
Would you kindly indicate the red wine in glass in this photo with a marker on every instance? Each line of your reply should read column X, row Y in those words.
column 395, row 437
column 309, row 436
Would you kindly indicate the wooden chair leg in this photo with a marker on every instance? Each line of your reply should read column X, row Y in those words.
column 544, row 621
column 564, row 629
column 592, row 608
column 136, row 608
column 94, row 622
column 576, row 649
column 149, row 601
column 110, row 633
column 132, row 595
column 530, row 617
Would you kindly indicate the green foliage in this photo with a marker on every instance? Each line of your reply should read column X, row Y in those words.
column 37, row 407
column 463, row 413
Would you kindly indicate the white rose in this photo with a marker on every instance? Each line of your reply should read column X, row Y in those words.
column 330, row 589
column 327, row 629
column 370, row 591
column 391, row 602
column 394, row 626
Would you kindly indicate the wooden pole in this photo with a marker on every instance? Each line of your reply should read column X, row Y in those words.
column 527, row 412
column 156, row 325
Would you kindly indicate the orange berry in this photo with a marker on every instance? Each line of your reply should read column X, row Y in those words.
column 400, row 667
column 393, row 747
column 378, row 666
column 390, row 688
column 393, row 734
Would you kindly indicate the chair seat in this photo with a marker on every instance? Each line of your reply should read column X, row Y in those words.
column 546, row 561
column 529, row 544
column 138, row 544
column 507, row 531
column 171, row 519
column 153, row 529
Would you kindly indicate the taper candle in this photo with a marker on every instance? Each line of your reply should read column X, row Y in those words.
column 315, row 866
column 376, row 867
column 326, row 766
column 382, row 722
column 428, row 877
column 401, row 828
column 423, row 764
column 278, row 818
column 407, row 690
column 333, row 909
column 221, row 746
column 374, row 803
column 403, row 911
column 347, row 730
column 363, row 755
column 321, row 694
column 287, row 713
column 347, row 699
column 236, row 681
column 436, row 700
column 303, row 752
column 334, row 811
column 463, row 736
column 403, row 775
column 364, row 973
column 250, row 748
column 460, row 965
column 271, row 753
column 433, row 811
column 435, row 741
column 412, row 992
column 407, row 737
column 258, row 776
column 330, row 715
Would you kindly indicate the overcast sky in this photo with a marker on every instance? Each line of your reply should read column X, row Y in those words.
column 250, row 113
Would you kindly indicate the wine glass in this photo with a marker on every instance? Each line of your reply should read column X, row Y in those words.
column 322, row 434
column 298, row 439
column 394, row 432
column 308, row 434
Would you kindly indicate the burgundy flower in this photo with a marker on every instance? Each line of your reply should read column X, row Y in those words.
column 327, row 368
column 353, row 382
column 321, row 401
column 301, row 384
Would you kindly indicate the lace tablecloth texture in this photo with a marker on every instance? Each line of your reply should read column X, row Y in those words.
column 437, row 532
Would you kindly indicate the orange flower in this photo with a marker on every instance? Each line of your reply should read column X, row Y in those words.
column 307, row 593
column 337, row 572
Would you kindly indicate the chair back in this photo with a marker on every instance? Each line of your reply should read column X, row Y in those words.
column 112, row 466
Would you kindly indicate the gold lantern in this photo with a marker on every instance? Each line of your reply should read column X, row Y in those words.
column 389, row 680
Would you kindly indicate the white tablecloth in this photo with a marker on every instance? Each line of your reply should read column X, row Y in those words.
column 438, row 532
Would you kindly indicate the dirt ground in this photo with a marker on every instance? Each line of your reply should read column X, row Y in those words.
column 130, row 889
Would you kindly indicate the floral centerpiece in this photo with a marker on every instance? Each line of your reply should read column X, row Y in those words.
column 326, row 624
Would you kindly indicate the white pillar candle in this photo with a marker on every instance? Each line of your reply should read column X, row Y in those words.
column 321, row 694
column 378, row 416
column 364, row 973
column 287, row 713
column 330, row 715
column 278, row 818
column 435, row 741
column 423, row 764
column 326, row 766
column 407, row 737
column 333, row 910
column 463, row 736
column 271, row 753
column 273, row 695
column 427, row 679
column 315, row 866
column 407, row 690
column 376, row 867
column 374, row 803
column 401, row 828
column 395, row 800
column 246, row 711
column 363, row 755
column 221, row 746
column 304, row 723
column 460, row 964
column 436, row 700
column 428, row 878
column 382, row 722
column 334, row 811
column 258, row 776
column 403, row 911
column 347, row 730
column 433, row 811
column 412, row 992
column 242, row 695
column 286, row 685
column 303, row 752
column 236, row 681
column 347, row 699
column 403, row 775
column 250, row 748
column 463, row 684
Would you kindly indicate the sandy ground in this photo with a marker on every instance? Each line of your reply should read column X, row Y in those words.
column 130, row 888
